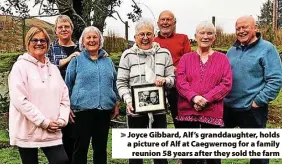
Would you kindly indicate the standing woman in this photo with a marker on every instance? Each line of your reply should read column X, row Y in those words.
column 61, row 51
column 91, row 79
column 39, row 102
column 204, row 78
column 146, row 62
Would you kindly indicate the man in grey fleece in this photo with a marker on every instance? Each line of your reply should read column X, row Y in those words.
column 146, row 62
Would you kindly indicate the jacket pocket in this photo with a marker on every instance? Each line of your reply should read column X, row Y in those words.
column 32, row 130
column 41, row 135
column 25, row 129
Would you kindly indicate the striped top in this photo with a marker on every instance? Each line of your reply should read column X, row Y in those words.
column 132, row 68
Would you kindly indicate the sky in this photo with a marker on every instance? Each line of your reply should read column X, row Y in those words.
column 188, row 13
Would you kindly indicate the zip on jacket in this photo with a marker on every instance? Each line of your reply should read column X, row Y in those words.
column 92, row 83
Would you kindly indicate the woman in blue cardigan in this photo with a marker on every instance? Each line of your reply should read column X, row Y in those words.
column 91, row 79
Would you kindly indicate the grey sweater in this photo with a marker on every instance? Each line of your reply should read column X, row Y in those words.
column 132, row 68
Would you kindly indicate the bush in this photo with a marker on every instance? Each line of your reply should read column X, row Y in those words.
column 4, row 103
column 113, row 43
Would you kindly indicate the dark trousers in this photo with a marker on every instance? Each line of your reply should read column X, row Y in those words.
column 199, row 161
column 54, row 154
column 68, row 139
column 91, row 124
column 253, row 118
column 172, row 97
column 143, row 122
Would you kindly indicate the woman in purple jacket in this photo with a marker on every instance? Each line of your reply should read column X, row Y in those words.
column 203, row 79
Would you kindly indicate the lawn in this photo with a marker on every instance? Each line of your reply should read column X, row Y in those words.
column 9, row 155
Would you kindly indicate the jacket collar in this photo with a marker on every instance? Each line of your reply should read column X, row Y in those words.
column 101, row 53
column 238, row 45
column 162, row 37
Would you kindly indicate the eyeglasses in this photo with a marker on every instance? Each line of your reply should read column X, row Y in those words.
column 35, row 41
column 142, row 35
column 66, row 27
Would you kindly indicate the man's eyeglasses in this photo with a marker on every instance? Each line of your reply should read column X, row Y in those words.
column 35, row 41
column 66, row 27
column 142, row 35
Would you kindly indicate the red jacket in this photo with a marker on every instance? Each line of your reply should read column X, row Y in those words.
column 177, row 44
column 214, row 84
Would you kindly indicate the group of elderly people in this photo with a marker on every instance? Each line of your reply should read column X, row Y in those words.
column 62, row 100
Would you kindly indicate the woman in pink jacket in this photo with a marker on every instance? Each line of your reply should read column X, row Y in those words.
column 39, row 102
column 203, row 79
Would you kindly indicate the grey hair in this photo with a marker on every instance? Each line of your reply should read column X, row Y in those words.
column 91, row 29
column 205, row 25
column 143, row 22
column 63, row 18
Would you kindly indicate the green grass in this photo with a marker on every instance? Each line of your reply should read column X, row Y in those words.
column 4, row 137
column 278, row 100
column 11, row 156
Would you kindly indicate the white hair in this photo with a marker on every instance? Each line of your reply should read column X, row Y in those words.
column 91, row 29
column 205, row 25
column 143, row 22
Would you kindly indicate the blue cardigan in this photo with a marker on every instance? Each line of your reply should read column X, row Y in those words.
column 92, row 83
column 257, row 74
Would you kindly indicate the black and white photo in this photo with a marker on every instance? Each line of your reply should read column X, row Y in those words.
column 148, row 98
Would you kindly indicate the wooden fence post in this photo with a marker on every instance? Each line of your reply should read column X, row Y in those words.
column 23, row 32
column 213, row 20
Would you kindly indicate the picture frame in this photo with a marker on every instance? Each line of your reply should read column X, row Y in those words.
column 148, row 98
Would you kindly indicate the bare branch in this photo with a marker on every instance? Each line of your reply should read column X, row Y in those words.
column 119, row 17
column 40, row 8
column 43, row 15
column 134, row 2
column 37, row 2
column 80, row 18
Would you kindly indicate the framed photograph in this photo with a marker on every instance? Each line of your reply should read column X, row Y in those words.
column 148, row 98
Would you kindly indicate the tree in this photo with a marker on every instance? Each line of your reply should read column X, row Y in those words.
column 279, row 22
column 82, row 12
column 266, row 14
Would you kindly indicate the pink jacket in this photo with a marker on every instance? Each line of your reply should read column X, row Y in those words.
column 38, row 95
column 214, row 84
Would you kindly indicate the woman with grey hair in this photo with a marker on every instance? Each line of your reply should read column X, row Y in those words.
column 146, row 62
column 203, row 79
column 91, row 79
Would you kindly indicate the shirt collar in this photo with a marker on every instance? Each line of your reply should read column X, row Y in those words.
column 237, row 43
column 56, row 43
column 160, row 36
